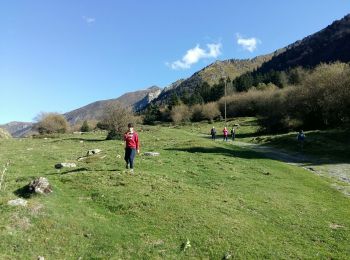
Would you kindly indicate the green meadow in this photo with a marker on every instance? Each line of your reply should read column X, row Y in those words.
column 198, row 199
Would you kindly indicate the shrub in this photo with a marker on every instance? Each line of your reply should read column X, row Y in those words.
column 116, row 119
column 196, row 112
column 210, row 111
column 180, row 113
column 50, row 123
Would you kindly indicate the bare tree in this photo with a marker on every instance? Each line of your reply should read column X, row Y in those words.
column 116, row 118
column 49, row 123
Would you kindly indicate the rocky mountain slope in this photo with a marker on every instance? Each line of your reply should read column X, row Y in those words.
column 94, row 111
column 328, row 45
column 213, row 73
column 18, row 129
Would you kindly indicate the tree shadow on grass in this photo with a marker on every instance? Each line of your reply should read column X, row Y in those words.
column 83, row 169
column 244, row 153
column 79, row 139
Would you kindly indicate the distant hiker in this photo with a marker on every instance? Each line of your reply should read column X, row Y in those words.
column 213, row 133
column 225, row 131
column 132, row 146
column 233, row 134
column 301, row 138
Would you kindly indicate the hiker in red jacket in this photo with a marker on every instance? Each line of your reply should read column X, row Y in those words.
column 225, row 131
column 132, row 146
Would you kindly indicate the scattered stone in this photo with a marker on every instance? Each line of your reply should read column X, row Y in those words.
column 40, row 185
column 151, row 154
column 79, row 159
column 186, row 245
column 41, row 258
column 335, row 226
column 87, row 235
column 119, row 156
column 81, row 141
column 18, row 202
column 237, row 125
column 29, row 149
column 92, row 152
column 65, row 165
column 346, row 179
column 266, row 173
column 311, row 169
column 77, row 133
column 227, row 256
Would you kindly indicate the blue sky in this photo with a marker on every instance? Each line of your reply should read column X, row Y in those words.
column 59, row 55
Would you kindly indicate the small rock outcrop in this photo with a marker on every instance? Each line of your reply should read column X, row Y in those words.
column 40, row 185
column 92, row 152
column 151, row 154
column 17, row 202
column 65, row 165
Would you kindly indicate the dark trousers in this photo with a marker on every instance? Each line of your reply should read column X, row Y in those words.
column 129, row 156
column 213, row 137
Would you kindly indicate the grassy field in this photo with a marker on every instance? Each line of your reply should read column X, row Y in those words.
column 327, row 145
column 222, row 199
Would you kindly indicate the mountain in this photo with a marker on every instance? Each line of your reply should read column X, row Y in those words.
column 328, row 45
column 94, row 111
column 212, row 74
column 18, row 129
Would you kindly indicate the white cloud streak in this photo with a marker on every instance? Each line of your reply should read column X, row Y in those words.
column 89, row 20
column 195, row 54
column 249, row 44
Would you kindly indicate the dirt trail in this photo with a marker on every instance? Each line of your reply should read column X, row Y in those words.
column 338, row 171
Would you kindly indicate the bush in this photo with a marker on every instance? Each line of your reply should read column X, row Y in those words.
column 180, row 113
column 196, row 112
column 324, row 97
column 116, row 119
column 50, row 123
column 210, row 111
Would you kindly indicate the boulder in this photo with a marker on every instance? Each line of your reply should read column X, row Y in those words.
column 151, row 154
column 65, row 165
column 17, row 202
column 40, row 185
column 92, row 152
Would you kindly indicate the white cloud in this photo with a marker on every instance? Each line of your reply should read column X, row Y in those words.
column 249, row 44
column 193, row 55
column 89, row 20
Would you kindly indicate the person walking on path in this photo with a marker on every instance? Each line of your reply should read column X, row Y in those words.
column 225, row 131
column 132, row 146
column 301, row 139
column 213, row 133
column 233, row 134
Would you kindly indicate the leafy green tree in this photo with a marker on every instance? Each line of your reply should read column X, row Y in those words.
column 204, row 90
column 174, row 100
column 152, row 114
column 196, row 98
column 85, row 127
